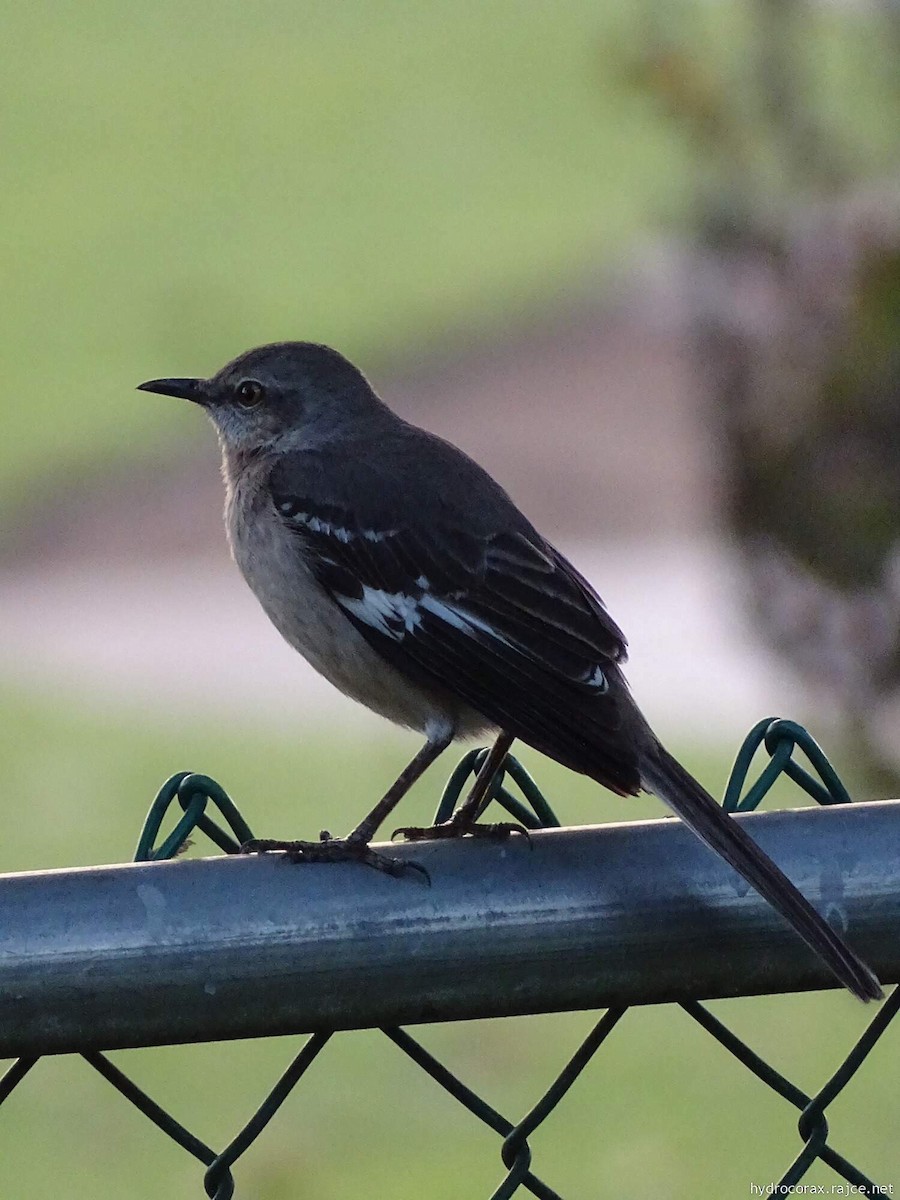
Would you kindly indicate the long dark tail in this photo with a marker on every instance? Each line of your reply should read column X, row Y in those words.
column 665, row 776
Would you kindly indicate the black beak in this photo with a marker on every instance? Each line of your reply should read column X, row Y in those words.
column 184, row 389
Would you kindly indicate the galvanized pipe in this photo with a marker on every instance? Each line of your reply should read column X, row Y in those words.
column 152, row 953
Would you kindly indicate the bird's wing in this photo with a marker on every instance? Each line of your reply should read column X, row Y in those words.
column 500, row 619
column 507, row 624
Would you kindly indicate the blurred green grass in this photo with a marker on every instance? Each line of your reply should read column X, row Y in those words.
column 182, row 182
column 661, row 1111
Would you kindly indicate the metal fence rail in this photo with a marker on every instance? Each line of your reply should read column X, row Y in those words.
column 155, row 953
column 172, row 952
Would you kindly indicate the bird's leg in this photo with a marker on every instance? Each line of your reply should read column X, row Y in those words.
column 464, row 819
column 470, row 809
column 433, row 748
column 355, row 846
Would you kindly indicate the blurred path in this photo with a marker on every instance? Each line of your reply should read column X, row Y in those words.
column 193, row 640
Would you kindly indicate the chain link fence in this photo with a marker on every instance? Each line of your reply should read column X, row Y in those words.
column 198, row 796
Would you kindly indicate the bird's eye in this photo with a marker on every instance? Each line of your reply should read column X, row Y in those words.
column 249, row 393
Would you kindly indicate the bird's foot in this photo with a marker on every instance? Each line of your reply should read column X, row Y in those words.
column 455, row 828
column 330, row 849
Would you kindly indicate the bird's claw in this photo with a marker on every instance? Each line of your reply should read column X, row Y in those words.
column 496, row 830
column 329, row 849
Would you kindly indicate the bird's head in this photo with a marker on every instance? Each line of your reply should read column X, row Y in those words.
column 287, row 392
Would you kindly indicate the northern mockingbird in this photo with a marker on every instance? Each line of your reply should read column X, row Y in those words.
column 405, row 574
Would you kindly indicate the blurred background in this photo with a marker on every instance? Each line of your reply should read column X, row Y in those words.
column 640, row 260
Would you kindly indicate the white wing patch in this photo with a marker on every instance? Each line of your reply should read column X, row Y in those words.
column 395, row 614
column 596, row 680
column 464, row 621
column 392, row 613
column 316, row 525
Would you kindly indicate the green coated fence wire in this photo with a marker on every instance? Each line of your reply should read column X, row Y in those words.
column 206, row 808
